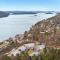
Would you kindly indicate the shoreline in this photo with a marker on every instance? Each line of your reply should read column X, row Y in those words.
column 23, row 32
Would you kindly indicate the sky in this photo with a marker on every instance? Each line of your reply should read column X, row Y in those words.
column 30, row 5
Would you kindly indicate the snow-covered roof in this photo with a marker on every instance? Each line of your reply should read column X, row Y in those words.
column 30, row 45
column 42, row 32
column 40, row 47
column 27, row 46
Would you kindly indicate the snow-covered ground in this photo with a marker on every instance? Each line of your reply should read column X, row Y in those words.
column 37, row 49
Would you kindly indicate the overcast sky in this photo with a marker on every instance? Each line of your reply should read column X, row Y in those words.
column 28, row 5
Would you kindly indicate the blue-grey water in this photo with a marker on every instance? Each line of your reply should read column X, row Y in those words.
column 16, row 24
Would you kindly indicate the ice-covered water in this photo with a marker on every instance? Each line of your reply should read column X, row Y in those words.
column 16, row 24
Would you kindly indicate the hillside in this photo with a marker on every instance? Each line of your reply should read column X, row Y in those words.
column 22, row 12
column 3, row 14
column 45, row 32
column 29, row 12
